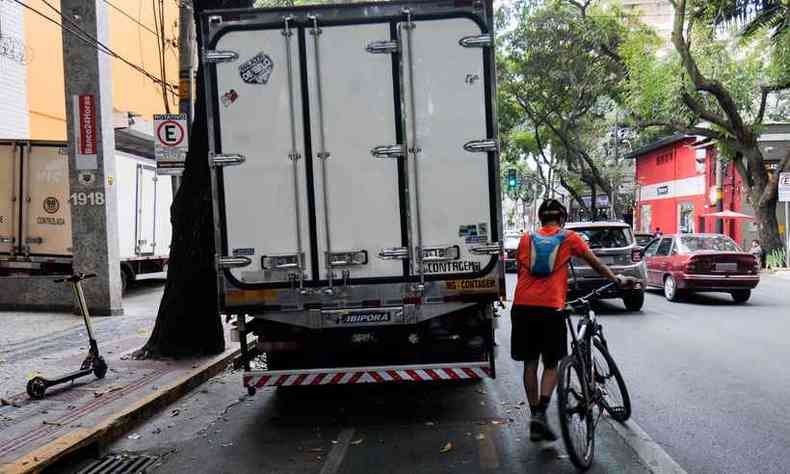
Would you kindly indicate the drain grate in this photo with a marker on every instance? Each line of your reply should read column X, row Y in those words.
column 120, row 464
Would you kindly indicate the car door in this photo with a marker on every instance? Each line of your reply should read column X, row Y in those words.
column 649, row 255
column 661, row 261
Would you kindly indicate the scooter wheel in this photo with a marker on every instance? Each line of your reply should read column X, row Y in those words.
column 100, row 368
column 36, row 388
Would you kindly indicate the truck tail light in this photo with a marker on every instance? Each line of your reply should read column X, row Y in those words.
column 636, row 255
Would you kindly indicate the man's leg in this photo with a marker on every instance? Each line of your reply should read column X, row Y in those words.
column 531, row 382
column 548, row 382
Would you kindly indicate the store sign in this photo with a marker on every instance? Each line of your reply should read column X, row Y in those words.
column 85, row 131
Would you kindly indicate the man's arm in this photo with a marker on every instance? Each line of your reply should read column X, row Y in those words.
column 604, row 271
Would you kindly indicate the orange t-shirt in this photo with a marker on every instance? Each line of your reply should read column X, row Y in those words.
column 550, row 291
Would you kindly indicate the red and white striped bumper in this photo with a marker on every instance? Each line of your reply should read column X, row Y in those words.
column 353, row 375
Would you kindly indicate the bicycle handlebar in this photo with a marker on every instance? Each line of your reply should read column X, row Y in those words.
column 75, row 277
column 593, row 294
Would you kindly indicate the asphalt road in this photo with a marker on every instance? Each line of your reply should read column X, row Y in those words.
column 361, row 429
column 709, row 379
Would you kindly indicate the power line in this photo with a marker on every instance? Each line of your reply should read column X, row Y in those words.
column 122, row 12
column 86, row 38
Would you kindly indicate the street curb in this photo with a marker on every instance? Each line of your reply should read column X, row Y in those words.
column 648, row 451
column 114, row 426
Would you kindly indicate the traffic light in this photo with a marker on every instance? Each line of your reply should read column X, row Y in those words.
column 512, row 180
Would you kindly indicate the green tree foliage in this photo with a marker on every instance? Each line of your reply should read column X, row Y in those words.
column 559, row 85
column 707, row 84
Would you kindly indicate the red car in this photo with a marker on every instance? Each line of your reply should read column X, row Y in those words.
column 686, row 263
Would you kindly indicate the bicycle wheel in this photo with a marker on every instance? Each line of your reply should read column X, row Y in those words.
column 576, row 414
column 610, row 384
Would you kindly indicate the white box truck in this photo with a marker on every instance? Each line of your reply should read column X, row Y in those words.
column 35, row 211
column 356, row 193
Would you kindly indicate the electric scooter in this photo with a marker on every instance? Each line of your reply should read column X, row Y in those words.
column 93, row 363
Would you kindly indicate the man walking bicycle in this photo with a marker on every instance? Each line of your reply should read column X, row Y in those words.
column 539, row 332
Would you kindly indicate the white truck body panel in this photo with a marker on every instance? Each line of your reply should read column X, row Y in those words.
column 41, row 196
column 429, row 195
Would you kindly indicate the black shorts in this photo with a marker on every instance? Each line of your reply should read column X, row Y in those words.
column 538, row 332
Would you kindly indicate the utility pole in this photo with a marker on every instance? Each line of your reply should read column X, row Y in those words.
column 186, row 67
column 719, row 200
column 93, row 193
column 616, row 161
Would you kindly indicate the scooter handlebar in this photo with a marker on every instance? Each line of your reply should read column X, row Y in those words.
column 75, row 277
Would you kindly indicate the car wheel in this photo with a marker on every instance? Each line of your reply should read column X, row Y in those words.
column 634, row 300
column 671, row 291
column 741, row 296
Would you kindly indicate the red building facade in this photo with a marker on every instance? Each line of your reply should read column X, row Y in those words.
column 676, row 187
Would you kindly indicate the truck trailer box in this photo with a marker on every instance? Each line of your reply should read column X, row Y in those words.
column 35, row 210
column 355, row 183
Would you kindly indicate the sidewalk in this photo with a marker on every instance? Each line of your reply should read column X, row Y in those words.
column 36, row 433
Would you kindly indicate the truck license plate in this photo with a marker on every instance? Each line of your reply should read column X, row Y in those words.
column 362, row 317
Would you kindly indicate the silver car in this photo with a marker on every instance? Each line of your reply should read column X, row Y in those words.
column 613, row 243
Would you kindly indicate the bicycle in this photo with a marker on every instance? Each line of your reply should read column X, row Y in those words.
column 588, row 378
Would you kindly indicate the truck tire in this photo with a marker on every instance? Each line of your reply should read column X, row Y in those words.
column 634, row 300
column 127, row 277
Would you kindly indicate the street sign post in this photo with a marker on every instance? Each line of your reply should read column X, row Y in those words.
column 171, row 143
column 784, row 196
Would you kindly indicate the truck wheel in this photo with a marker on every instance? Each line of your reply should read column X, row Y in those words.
column 127, row 277
column 634, row 300
column 741, row 296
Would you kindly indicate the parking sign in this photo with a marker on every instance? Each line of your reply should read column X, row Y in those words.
column 784, row 187
column 171, row 142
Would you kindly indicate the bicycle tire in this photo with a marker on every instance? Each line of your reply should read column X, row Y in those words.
column 618, row 409
column 568, row 391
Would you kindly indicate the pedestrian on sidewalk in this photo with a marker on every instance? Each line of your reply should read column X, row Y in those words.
column 539, row 332
column 758, row 253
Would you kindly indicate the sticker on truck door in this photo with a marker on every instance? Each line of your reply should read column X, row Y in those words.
column 257, row 70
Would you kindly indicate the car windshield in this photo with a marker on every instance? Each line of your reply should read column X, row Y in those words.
column 605, row 237
column 720, row 243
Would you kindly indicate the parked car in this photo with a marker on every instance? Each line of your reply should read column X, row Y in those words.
column 687, row 263
column 613, row 243
column 643, row 239
column 511, row 251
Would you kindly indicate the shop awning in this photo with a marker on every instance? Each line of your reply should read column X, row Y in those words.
column 729, row 215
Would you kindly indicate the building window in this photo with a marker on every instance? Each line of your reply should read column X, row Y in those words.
column 686, row 218
column 664, row 158
column 700, row 160
column 646, row 216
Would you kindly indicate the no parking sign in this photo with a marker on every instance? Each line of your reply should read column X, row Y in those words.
column 171, row 142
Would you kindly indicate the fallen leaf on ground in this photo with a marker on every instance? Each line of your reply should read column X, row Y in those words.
column 225, row 445
column 480, row 436
column 357, row 441
column 334, row 441
column 175, row 412
column 134, row 436
column 52, row 423
column 447, row 448
column 317, row 450
column 498, row 422
column 430, row 423
column 12, row 403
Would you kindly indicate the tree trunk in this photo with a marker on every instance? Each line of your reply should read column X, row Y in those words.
column 188, row 322
column 767, row 225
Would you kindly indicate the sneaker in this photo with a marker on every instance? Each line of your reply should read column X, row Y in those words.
column 539, row 429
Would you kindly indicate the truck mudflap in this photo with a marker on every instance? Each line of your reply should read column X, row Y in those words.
column 359, row 375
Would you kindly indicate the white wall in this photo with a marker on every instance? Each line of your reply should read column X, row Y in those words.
column 14, row 118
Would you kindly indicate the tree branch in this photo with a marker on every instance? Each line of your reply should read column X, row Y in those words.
column 698, row 108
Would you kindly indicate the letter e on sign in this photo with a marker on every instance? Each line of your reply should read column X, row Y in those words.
column 170, row 132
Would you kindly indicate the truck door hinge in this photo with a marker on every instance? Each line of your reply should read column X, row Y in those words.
column 34, row 240
column 227, row 160
column 481, row 146
column 382, row 47
column 478, row 41
column 388, row 151
column 6, row 240
column 213, row 57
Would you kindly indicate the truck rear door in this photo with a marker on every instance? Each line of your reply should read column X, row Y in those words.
column 368, row 143
column 9, row 200
column 146, row 210
column 46, row 211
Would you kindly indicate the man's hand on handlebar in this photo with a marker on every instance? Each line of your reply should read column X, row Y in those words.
column 626, row 282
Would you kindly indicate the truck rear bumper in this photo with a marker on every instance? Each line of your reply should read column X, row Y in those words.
column 358, row 375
